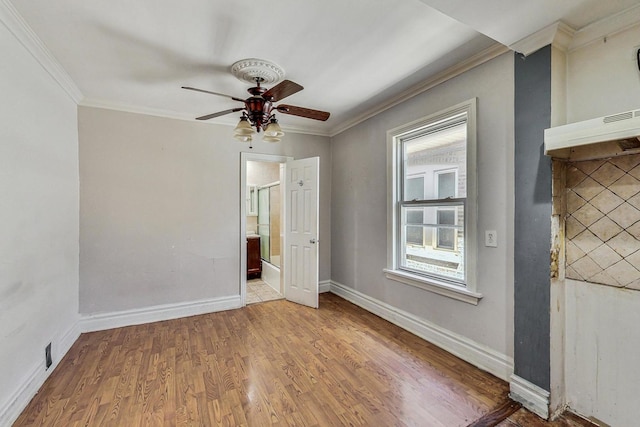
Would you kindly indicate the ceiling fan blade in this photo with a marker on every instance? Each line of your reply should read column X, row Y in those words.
column 282, row 90
column 303, row 112
column 212, row 93
column 219, row 113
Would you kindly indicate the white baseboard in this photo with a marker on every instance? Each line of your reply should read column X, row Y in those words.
column 324, row 286
column 532, row 397
column 139, row 316
column 481, row 356
column 97, row 322
column 12, row 409
column 67, row 341
column 38, row 374
column 470, row 351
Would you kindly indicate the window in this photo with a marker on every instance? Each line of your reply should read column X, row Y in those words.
column 431, row 227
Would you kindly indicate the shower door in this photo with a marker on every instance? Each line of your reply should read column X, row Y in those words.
column 264, row 227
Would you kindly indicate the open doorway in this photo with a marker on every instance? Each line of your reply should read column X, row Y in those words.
column 264, row 237
column 262, row 199
column 298, row 239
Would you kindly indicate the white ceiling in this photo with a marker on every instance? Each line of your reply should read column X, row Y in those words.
column 351, row 56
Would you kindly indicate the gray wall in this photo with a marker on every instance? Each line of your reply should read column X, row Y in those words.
column 359, row 207
column 38, row 219
column 532, row 218
column 160, row 208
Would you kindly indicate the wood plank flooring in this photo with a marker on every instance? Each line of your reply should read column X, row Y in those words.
column 274, row 363
column 524, row 418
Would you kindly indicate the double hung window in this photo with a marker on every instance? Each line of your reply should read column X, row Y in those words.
column 432, row 202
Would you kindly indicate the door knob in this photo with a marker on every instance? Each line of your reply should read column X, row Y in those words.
column 314, row 241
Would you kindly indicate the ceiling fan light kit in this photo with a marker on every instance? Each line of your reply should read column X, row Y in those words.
column 258, row 111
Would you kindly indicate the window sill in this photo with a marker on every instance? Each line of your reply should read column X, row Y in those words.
column 435, row 286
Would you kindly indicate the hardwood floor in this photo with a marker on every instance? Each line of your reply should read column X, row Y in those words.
column 270, row 363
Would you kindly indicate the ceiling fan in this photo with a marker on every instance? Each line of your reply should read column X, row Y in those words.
column 259, row 110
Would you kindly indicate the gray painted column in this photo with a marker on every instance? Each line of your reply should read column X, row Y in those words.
column 532, row 218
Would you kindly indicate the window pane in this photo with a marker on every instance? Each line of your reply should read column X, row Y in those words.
column 446, row 236
column 431, row 154
column 441, row 251
column 446, row 185
column 415, row 233
column 414, row 188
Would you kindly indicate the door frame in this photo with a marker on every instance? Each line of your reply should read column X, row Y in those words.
column 244, row 158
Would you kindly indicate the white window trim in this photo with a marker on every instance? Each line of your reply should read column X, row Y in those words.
column 466, row 293
column 433, row 285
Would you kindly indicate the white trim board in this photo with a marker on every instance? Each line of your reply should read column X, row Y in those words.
column 107, row 104
column 324, row 286
column 606, row 27
column 38, row 374
column 460, row 68
column 455, row 70
column 477, row 354
column 10, row 411
column 32, row 43
column 531, row 396
column 559, row 34
column 139, row 316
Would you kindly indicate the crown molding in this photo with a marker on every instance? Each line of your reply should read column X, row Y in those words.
column 566, row 38
column 14, row 22
column 480, row 58
column 557, row 34
column 169, row 114
column 129, row 108
column 606, row 27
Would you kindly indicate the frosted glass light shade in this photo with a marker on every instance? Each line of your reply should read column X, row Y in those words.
column 273, row 129
column 243, row 138
column 244, row 127
column 267, row 138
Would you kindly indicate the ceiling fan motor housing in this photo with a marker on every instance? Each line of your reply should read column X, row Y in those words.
column 258, row 111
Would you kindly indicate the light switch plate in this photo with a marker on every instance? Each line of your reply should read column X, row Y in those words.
column 491, row 238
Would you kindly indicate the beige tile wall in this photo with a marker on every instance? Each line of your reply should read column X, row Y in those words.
column 603, row 221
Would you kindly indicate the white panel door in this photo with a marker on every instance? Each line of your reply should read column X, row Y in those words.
column 301, row 232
